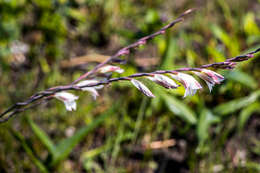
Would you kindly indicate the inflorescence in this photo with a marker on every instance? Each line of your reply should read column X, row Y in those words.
column 165, row 78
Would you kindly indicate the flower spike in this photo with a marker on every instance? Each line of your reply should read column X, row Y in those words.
column 141, row 87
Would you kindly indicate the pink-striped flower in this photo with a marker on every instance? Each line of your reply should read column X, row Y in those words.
column 92, row 90
column 210, row 77
column 190, row 84
column 111, row 68
column 68, row 99
column 163, row 80
column 141, row 87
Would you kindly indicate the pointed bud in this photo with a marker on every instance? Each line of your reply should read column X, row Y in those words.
column 215, row 76
column 68, row 99
column 210, row 77
column 111, row 68
column 190, row 84
column 163, row 81
column 92, row 90
column 142, row 42
column 141, row 87
column 123, row 52
column 209, row 81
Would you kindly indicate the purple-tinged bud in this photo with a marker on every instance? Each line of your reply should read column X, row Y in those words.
column 210, row 77
column 190, row 84
column 233, row 65
column 162, row 31
column 123, row 52
column 142, row 42
column 163, row 81
column 110, row 68
column 250, row 55
column 209, row 81
column 215, row 76
column 141, row 87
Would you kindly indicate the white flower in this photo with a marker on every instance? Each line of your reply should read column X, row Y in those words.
column 190, row 84
column 210, row 77
column 111, row 68
column 68, row 99
column 141, row 87
column 92, row 90
column 163, row 81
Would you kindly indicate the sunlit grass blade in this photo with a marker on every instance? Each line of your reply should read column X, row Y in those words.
column 246, row 113
column 241, row 77
column 42, row 136
column 235, row 105
column 19, row 137
column 178, row 108
column 205, row 120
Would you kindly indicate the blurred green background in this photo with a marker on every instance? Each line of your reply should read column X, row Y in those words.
column 123, row 131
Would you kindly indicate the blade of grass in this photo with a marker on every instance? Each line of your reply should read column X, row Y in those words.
column 246, row 112
column 140, row 117
column 205, row 120
column 178, row 108
column 19, row 137
column 241, row 77
column 42, row 136
column 235, row 105
column 64, row 147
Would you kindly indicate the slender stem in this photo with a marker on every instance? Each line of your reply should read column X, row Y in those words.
column 44, row 96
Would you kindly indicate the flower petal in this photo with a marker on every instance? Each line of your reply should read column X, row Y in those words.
column 92, row 90
column 190, row 84
column 68, row 100
column 110, row 68
column 215, row 76
column 163, row 81
column 89, row 82
column 210, row 77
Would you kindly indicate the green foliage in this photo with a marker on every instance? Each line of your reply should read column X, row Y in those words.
column 235, row 105
column 177, row 107
column 206, row 119
column 61, row 151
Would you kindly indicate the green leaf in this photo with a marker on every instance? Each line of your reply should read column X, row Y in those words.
column 64, row 148
column 235, row 105
column 243, row 78
column 43, row 137
column 247, row 112
column 205, row 120
column 250, row 26
column 230, row 43
column 179, row 108
column 29, row 151
column 172, row 52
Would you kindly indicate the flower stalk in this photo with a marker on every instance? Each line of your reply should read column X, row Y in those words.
column 83, row 83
